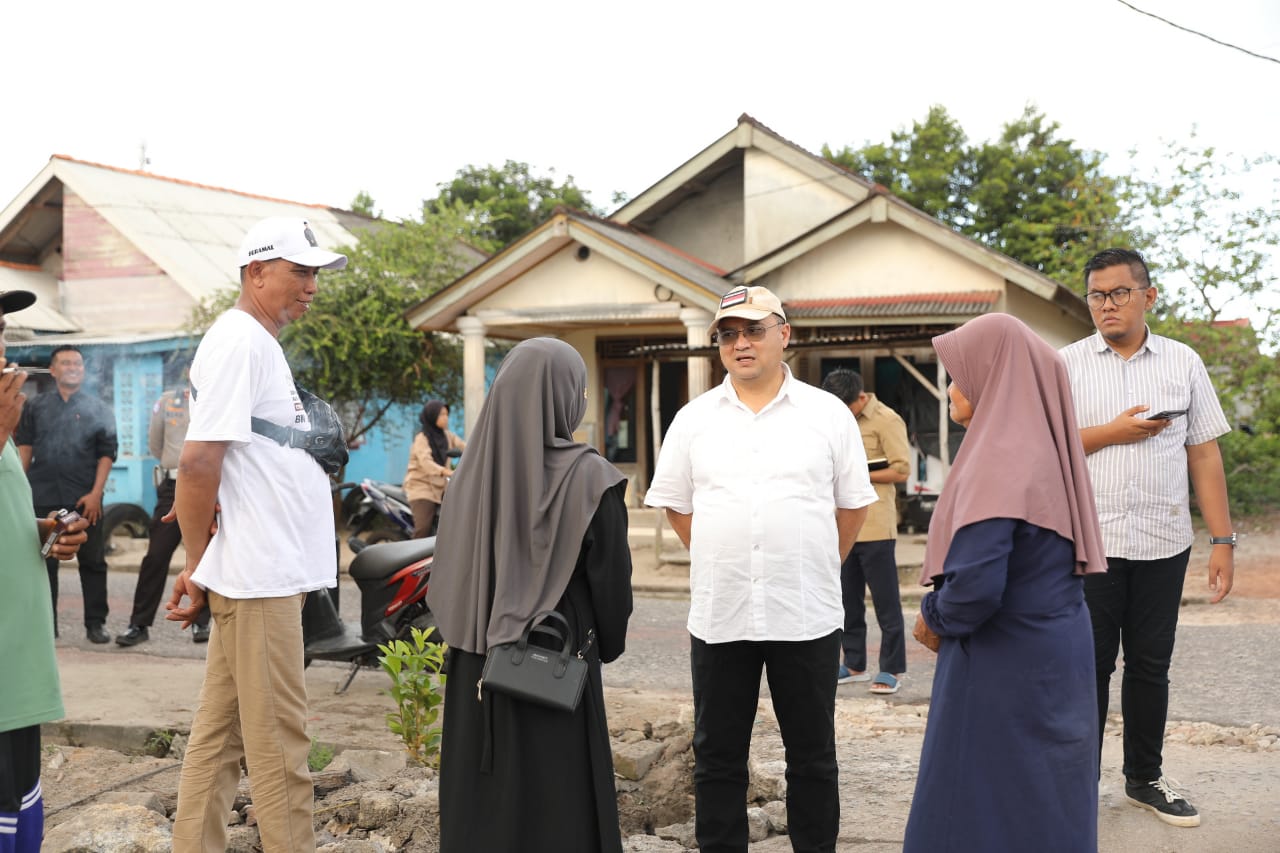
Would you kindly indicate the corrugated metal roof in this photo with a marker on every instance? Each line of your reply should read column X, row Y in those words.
column 968, row 304
column 191, row 231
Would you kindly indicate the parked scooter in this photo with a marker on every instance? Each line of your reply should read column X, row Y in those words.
column 379, row 512
column 392, row 578
column 376, row 512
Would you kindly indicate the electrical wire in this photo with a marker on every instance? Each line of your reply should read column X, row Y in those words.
column 1198, row 33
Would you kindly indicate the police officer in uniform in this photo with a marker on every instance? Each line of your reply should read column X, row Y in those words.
column 167, row 431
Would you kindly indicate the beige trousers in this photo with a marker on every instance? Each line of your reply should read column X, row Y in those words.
column 253, row 705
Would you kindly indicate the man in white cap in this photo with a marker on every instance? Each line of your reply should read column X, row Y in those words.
column 765, row 479
column 273, row 544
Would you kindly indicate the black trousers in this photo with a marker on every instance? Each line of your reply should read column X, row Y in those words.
column 93, row 571
column 726, row 691
column 153, row 574
column 874, row 565
column 1134, row 606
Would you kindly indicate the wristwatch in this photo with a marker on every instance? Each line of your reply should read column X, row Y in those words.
column 1223, row 540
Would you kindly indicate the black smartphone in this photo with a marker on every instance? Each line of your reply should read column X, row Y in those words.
column 1168, row 414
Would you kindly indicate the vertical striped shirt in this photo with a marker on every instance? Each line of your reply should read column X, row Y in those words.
column 1141, row 488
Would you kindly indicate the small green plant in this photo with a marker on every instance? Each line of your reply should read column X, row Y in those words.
column 159, row 743
column 417, row 688
column 319, row 756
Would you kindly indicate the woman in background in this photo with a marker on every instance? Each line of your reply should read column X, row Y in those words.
column 535, row 521
column 429, row 472
column 1010, row 755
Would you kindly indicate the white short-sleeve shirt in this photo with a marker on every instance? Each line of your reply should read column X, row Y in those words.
column 275, row 529
column 763, row 488
column 1141, row 488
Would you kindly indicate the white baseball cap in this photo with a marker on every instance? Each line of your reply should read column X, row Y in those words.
column 288, row 238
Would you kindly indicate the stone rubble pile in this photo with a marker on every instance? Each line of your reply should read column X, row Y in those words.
column 370, row 801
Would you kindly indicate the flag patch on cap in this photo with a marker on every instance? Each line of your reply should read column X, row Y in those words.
column 733, row 297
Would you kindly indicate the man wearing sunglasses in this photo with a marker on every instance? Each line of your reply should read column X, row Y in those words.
column 764, row 478
column 1149, row 417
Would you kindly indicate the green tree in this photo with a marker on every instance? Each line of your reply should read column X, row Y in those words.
column 1213, row 254
column 354, row 347
column 364, row 204
column 929, row 166
column 1029, row 194
column 504, row 204
column 1040, row 199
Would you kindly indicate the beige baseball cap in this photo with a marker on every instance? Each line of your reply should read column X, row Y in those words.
column 749, row 303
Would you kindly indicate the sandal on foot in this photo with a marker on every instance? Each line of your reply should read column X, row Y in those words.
column 885, row 684
column 846, row 675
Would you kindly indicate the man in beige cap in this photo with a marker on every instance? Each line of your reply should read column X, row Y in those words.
column 764, row 478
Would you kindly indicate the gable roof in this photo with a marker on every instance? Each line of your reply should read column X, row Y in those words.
column 191, row 231
column 727, row 152
column 690, row 279
column 880, row 205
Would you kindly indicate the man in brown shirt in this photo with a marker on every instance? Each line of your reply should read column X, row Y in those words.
column 872, row 562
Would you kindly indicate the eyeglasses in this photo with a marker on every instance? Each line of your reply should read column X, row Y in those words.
column 1119, row 297
column 754, row 333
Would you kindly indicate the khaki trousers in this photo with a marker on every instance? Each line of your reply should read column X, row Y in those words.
column 253, row 705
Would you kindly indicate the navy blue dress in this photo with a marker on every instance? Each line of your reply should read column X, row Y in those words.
column 1010, row 756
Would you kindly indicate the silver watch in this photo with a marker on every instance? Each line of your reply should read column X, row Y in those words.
column 1223, row 540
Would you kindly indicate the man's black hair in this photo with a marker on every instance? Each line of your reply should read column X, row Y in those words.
column 64, row 348
column 844, row 383
column 1114, row 258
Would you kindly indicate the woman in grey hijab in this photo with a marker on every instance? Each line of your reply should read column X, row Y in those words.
column 535, row 521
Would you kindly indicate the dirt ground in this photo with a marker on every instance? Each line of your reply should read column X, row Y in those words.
column 73, row 776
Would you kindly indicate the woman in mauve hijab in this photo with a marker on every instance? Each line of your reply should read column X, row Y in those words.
column 1010, row 756
column 534, row 521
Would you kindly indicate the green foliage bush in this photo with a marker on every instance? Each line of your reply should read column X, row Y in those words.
column 320, row 756
column 417, row 688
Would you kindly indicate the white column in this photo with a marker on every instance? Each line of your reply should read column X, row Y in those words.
column 472, row 331
column 696, row 322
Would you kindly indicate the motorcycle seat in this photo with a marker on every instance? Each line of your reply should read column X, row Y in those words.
column 384, row 559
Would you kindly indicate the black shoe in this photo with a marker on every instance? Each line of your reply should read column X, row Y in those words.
column 96, row 634
column 1158, row 796
column 199, row 633
column 136, row 634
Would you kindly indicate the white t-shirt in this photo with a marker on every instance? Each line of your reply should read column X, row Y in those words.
column 763, row 488
column 275, row 529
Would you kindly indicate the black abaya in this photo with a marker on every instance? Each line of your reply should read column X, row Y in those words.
column 520, row 777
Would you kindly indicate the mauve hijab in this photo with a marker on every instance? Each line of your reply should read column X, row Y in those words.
column 1021, row 456
column 520, row 501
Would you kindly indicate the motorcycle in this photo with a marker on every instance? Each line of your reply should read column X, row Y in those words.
column 392, row 578
column 376, row 511
column 380, row 511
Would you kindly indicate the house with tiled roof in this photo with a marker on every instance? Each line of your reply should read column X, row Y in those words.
column 866, row 280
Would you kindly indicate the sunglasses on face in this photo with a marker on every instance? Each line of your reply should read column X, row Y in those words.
column 754, row 333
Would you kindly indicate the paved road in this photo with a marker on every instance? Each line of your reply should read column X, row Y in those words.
column 1225, row 673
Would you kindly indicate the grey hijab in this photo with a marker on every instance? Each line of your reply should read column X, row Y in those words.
column 520, row 502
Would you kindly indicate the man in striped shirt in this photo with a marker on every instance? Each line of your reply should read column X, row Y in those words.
column 1149, row 417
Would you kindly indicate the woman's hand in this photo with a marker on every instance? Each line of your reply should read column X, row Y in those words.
column 924, row 634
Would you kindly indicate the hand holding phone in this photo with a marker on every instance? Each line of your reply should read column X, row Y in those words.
column 52, row 528
column 1167, row 415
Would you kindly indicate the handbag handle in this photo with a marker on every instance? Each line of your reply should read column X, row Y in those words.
column 566, row 638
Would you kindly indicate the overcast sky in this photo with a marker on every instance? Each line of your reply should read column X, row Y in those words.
column 314, row 102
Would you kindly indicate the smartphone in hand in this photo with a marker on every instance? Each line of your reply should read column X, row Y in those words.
column 1167, row 415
